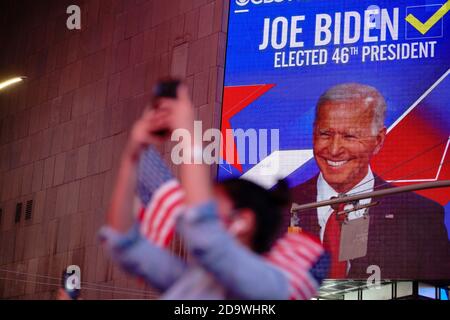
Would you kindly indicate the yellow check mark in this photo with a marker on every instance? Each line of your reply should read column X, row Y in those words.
column 424, row 27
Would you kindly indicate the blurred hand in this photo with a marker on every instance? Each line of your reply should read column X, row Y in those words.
column 168, row 114
column 144, row 132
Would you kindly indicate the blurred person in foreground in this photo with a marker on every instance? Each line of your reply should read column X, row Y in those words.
column 228, row 227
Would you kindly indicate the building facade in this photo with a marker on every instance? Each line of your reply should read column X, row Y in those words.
column 63, row 129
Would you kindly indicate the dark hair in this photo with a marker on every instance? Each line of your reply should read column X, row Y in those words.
column 267, row 206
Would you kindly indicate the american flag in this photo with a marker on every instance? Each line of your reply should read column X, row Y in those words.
column 162, row 197
column 296, row 255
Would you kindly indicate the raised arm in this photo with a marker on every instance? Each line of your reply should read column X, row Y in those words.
column 121, row 236
column 194, row 174
column 120, row 214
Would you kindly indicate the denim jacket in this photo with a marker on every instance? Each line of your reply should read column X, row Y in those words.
column 219, row 267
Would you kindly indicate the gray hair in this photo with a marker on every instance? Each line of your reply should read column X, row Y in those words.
column 370, row 96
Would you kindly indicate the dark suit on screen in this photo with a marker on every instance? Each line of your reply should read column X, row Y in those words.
column 407, row 235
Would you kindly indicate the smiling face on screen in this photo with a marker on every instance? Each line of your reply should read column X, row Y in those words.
column 346, row 137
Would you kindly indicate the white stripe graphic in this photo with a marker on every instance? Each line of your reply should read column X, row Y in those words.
column 441, row 164
column 278, row 165
column 423, row 96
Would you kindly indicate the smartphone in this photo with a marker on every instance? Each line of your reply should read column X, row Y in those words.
column 165, row 89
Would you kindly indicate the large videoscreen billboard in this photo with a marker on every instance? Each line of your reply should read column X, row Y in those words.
column 346, row 97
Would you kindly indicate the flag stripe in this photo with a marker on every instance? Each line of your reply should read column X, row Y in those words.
column 299, row 259
column 168, row 220
column 149, row 211
column 297, row 275
column 161, row 201
column 290, row 265
column 168, row 229
column 295, row 254
column 301, row 249
column 301, row 239
column 295, row 282
column 159, row 215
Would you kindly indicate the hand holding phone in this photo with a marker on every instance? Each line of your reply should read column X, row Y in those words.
column 165, row 89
